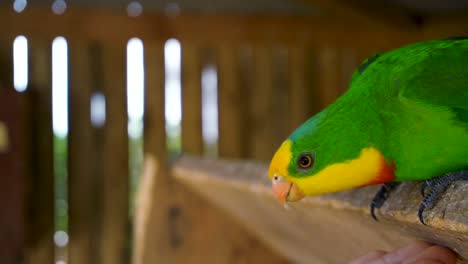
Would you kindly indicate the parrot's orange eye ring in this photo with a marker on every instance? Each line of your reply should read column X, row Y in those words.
column 305, row 161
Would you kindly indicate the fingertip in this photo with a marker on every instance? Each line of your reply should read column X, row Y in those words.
column 372, row 256
column 434, row 254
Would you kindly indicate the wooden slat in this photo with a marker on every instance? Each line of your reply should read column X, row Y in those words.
column 312, row 230
column 94, row 24
column 151, row 236
column 115, row 184
column 299, row 93
column 41, row 249
column 6, row 63
column 368, row 11
column 327, row 72
column 82, row 180
column 15, row 164
column 192, row 139
column 260, row 104
column 231, row 104
column 279, row 105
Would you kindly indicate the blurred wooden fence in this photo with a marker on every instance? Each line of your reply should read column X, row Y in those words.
column 273, row 73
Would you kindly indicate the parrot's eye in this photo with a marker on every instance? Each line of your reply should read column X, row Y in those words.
column 305, row 161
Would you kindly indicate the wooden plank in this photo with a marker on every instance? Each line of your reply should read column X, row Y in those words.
column 299, row 93
column 327, row 71
column 82, row 177
column 114, row 227
column 231, row 104
column 312, row 230
column 15, row 154
column 192, row 138
column 367, row 11
column 94, row 24
column 6, row 63
column 260, row 105
column 40, row 236
column 154, row 192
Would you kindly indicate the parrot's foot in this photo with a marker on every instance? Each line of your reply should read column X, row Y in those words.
column 381, row 196
column 437, row 187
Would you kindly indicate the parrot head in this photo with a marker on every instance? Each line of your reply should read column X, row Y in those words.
column 320, row 157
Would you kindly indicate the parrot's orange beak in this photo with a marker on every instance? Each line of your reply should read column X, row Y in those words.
column 285, row 191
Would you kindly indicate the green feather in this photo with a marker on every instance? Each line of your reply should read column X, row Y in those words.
column 410, row 103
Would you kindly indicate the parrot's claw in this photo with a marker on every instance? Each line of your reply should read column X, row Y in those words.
column 424, row 187
column 381, row 196
column 437, row 187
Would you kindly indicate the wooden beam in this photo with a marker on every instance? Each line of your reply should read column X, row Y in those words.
column 6, row 63
column 114, row 247
column 260, row 105
column 41, row 248
column 367, row 11
column 152, row 203
column 203, row 29
column 231, row 103
column 82, row 175
column 315, row 229
column 192, row 139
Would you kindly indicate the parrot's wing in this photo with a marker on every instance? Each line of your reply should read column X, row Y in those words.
column 441, row 79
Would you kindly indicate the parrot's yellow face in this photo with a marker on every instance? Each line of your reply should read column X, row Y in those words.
column 295, row 173
column 283, row 184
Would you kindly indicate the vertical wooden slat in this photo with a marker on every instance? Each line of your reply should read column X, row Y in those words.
column 327, row 75
column 40, row 235
column 114, row 223
column 14, row 163
column 151, row 235
column 262, row 121
column 348, row 65
column 6, row 63
column 279, row 105
column 192, row 139
column 81, row 178
column 299, row 95
column 231, row 104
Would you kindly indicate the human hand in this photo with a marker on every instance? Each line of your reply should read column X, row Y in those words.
column 416, row 253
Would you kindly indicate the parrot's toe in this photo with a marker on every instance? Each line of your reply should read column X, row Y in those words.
column 381, row 196
column 437, row 187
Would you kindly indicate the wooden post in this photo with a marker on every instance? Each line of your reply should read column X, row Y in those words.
column 40, row 244
column 82, row 181
column 231, row 104
column 6, row 63
column 151, row 234
column 299, row 94
column 192, row 139
column 261, row 142
column 327, row 75
column 114, row 223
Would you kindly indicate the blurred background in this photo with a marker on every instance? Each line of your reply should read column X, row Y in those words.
column 88, row 89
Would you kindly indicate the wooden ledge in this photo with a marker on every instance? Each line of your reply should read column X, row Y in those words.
column 330, row 228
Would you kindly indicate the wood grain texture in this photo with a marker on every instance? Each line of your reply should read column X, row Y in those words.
column 314, row 230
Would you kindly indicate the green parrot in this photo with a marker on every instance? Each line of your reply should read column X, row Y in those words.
column 403, row 118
